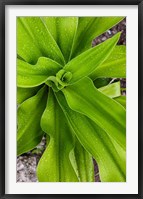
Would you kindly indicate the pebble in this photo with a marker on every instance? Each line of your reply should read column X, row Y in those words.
column 26, row 165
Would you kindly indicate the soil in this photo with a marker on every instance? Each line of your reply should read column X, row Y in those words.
column 27, row 163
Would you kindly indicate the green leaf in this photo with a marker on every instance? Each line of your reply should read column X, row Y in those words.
column 121, row 100
column 27, row 48
column 63, row 30
column 86, row 63
column 111, row 90
column 90, row 28
column 34, row 40
column 25, row 93
column 29, row 114
column 83, row 97
column 55, row 165
column 114, row 91
column 95, row 141
column 51, row 23
column 100, row 82
column 121, row 152
column 33, row 75
column 114, row 65
column 83, row 163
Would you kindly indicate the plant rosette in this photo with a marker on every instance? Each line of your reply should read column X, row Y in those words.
column 59, row 95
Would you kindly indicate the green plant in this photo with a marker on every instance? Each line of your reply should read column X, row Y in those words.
column 59, row 94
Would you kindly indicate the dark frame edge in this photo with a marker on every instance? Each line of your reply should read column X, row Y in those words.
column 140, row 99
column 71, row 2
column 2, row 99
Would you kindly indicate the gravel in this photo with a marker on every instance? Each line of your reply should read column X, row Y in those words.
column 121, row 27
column 27, row 163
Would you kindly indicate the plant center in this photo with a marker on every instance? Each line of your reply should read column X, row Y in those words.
column 59, row 81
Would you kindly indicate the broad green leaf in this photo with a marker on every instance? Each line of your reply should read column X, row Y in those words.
column 25, row 93
column 121, row 100
column 33, row 75
column 27, row 48
column 87, row 62
column 66, row 28
column 114, row 65
column 63, row 30
column 34, row 40
column 95, row 141
column 111, row 90
column 82, row 162
column 83, row 97
column 51, row 23
column 90, row 28
column 55, row 165
column 121, row 152
column 29, row 114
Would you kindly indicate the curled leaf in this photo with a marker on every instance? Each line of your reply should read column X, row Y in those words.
column 87, row 62
column 55, row 165
column 33, row 75
column 84, row 98
column 29, row 113
column 112, row 167
column 25, row 93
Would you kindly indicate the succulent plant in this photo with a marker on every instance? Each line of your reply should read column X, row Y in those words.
column 59, row 95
